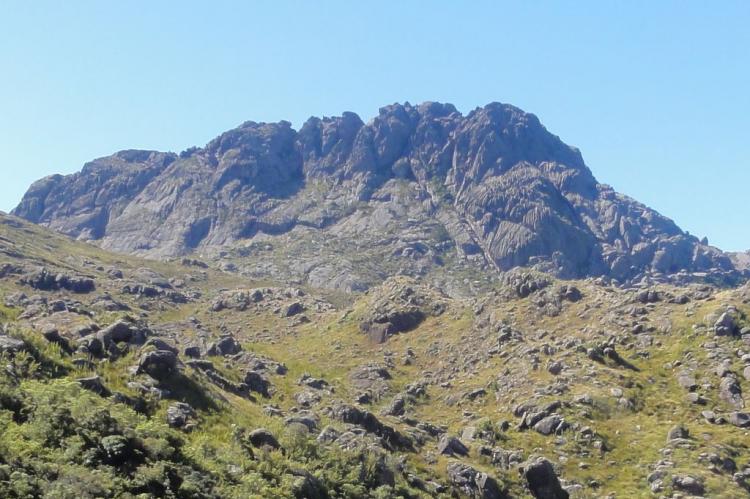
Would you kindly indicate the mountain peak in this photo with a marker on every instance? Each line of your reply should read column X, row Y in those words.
column 422, row 185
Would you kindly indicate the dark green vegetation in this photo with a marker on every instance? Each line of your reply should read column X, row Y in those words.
column 173, row 379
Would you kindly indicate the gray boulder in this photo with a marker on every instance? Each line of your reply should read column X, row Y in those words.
column 689, row 484
column 159, row 364
column 258, row 383
column 263, row 438
column 677, row 432
column 730, row 392
column 94, row 384
column 553, row 423
column 11, row 345
column 472, row 483
column 224, row 346
column 179, row 413
column 161, row 344
column 740, row 419
column 725, row 325
column 293, row 309
column 452, row 446
column 328, row 434
column 542, row 480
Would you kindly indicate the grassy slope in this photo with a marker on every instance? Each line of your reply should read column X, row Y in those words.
column 331, row 346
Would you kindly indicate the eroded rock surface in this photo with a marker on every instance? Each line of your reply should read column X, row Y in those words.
column 417, row 187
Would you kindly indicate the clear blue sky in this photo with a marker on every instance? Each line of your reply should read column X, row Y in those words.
column 655, row 94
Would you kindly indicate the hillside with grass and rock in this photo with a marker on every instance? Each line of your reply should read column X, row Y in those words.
column 428, row 305
column 126, row 377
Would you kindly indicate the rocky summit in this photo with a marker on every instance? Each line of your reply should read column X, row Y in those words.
column 420, row 190
column 430, row 305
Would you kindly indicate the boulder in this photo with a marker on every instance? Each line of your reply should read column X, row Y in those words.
column 307, row 398
column 225, row 346
column 452, row 446
column 160, row 344
column 158, row 364
column 11, row 345
column 475, row 394
column 263, row 438
column 91, row 345
column 554, row 423
column 327, row 435
column 740, row 419
column 725, row 325
column 120, row 331
column 392, row 322
column 542, row 480
column 677, row 432
column 372, row 379
column 397, row 406
column 730, row 392
column 316, row 383
column 710, row 417
column 472, row 483
column 192, row 352
column 46, row 280
column 53, row 336
column 570, row 293
column 305, row 418
column 293, row 309
column 555, row 368
column 258, row 383
column 389, row 436
column 687, row 381
column 179, row 413
column 696, row 398
column 94, row 384
column 689, row 484
column 648, row 296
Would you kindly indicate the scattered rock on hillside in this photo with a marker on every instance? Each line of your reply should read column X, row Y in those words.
column 353, row 415
column 371, row 378
column 398, row 306
column 46, row 280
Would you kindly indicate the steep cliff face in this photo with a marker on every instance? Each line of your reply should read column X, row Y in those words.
column 83, row 204
column 423, row 186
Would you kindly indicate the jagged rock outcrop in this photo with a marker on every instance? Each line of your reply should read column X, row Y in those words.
column 421, row 186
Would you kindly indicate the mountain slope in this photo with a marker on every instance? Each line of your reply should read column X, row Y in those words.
column 423, row 188
column 125, row 377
